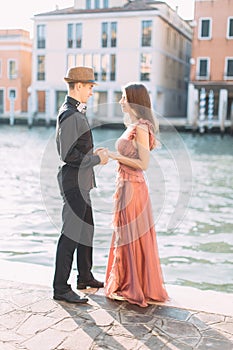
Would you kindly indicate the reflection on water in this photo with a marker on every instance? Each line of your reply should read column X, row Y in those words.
column 191, row 185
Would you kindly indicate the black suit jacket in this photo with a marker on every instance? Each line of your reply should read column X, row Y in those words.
column 75, row 148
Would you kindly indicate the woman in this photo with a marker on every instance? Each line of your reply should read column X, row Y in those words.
column 133, row 270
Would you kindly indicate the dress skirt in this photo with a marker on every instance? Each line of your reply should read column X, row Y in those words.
column 133, row 269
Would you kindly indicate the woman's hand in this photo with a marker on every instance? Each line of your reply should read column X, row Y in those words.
column 112, row 155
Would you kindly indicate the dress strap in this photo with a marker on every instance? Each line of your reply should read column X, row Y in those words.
column 133, row 133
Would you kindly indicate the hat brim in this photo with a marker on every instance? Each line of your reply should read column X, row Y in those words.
column 68, row 80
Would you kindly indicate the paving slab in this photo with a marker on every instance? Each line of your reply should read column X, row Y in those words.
column 30, row 319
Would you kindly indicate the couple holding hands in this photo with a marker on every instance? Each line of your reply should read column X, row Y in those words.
column 133, row 270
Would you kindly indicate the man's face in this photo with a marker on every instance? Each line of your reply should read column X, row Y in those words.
column 85, row 91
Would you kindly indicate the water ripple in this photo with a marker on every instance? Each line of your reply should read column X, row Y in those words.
column 197, row 253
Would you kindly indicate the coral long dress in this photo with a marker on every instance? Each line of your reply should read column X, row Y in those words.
column 133, row 269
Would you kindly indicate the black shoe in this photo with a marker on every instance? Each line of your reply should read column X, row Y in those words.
column 93, row 283
column 70, row 297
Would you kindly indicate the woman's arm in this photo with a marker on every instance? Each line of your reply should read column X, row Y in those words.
column 142, row 142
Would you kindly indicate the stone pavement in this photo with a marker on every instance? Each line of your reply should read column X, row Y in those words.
column 30, row 319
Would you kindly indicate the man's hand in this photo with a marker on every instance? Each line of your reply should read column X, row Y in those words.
column 98, row 149
column 103, row 154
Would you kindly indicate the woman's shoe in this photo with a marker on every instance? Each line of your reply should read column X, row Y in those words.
column 115, row 296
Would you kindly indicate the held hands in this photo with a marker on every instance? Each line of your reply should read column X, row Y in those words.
column 103, row 154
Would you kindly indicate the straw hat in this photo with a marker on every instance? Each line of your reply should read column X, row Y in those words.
column 80, row 74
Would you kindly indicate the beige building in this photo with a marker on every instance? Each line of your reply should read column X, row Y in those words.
column 124, row 41
column 211, row 73
column 15, row 71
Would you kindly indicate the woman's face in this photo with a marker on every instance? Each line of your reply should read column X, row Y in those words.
column 124, row 104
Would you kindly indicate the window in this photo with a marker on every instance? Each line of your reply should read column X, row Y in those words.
column 96, row 66
column 75, row 60
column 41, row 67
column 188, row 52
column 104, row 67
column 168, row 36
column 167, row 60
column 113, row 34
column 169, row 68
column 230, row 28
column 70, row 61
column 1, row 101
column 203, row 64
column 100, row 108
column 175, row 68
column 109, row 34
column 97, row 4
column 145, row 69
column 181, row 47
column 112, row 67
column 88, row 60
column 117, row 107
column 174, row 40
column 105, row 2
column 12, row 94
column 74, row 39
column 12, row 72
column 41, row 36
column 78, row 37
column 203, row 68
column 146, row 33
column 41, row 101
column 60, row 96
column 88, row 4
column 70, row 36
column 104, row 34
column 229, row 68
column 79, row 60
column 205, row 28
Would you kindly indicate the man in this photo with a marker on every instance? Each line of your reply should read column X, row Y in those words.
column 76, row 178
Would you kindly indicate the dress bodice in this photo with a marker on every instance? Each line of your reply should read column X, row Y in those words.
column 126, row 146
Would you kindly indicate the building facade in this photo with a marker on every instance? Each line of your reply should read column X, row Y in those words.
column 211, row 72
column 15, row 71
column 124, row 41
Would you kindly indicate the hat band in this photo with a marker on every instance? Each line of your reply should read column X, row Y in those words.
column 80, row 81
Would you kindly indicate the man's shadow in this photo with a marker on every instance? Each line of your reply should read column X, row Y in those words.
column 119, row 325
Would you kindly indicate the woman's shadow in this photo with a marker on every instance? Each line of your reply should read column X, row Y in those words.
column 111, row 324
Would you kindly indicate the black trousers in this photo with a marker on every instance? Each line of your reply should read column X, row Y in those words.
column 76, row 234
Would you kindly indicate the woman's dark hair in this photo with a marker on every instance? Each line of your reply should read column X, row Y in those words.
column 139, row 100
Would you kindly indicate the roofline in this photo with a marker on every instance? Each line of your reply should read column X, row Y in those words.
column 93, row 11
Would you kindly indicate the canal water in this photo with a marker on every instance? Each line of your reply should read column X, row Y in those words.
column 190, row 179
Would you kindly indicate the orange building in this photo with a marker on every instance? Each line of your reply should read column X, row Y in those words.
column 15, row 71
column 212, row 56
